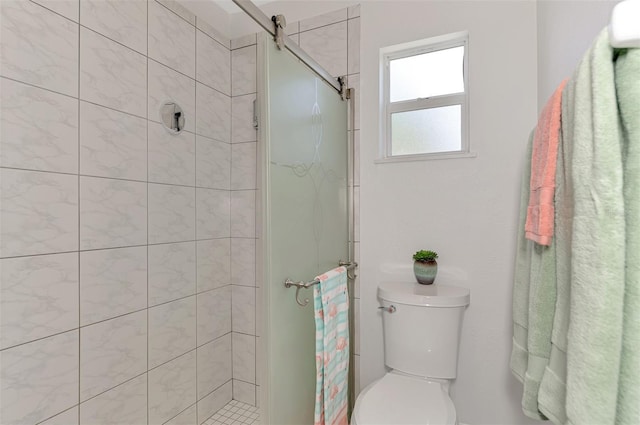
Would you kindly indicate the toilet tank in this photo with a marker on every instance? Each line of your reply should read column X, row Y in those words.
column 422, row 325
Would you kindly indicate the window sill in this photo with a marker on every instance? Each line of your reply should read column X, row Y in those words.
column 425, row 157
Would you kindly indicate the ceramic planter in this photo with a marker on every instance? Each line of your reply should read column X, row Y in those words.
column 425, row 271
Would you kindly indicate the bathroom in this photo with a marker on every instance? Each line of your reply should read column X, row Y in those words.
column 147, row 209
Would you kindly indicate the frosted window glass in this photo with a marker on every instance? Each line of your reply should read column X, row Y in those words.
column 426, row 75
column 426, row 131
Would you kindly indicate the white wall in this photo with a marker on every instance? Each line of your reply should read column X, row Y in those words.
column 466, row 209
column 565, row 32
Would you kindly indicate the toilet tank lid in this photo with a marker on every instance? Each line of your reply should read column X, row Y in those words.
column 435, row 295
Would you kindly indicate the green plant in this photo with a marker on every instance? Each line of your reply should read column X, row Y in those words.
column 425, row 256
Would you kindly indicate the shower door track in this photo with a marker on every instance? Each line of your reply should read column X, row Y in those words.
column 265, row 22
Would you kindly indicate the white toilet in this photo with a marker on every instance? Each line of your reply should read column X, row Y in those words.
column 422, row 325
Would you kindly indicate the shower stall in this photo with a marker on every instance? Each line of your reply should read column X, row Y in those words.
column 160, row 182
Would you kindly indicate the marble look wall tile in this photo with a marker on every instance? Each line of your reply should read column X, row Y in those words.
column 179, row 10
column 243, row 264
column 243, row 214
column 171, row 40
column 244, row 357
column 353, row 46
column 354, row 11
column 113, row 213
column 171, row 213
column 214, row 264
column 39, row 47
column 122, row 21
column 292, row 28
column 214, row 365
column 113, row 282
column 172, row 330
column 323, row 20
column 112, row 75
column 212, row 32
column 38, row 297
column 328, row 46
column 172, row 157
column 112, row 144
column 172, row 388
column 165, row 84
column 259, row 358
column 259, row 316
column 213, row 64
column 67, row 8
column 244, row 41
column 243, row 171
column 242, row 129
column 214, row 402
column 125, row 404
column 213, row 113
column 38, row 128
column 186, row 417
column 214, row 314
column 38, row 213
column 172, row 272
column 112, row 352
column 213, row 163
column 243, row 309
column 39, row 379
column 68, row 417
column 243, row 77
column 244, row 392
column 213, row 209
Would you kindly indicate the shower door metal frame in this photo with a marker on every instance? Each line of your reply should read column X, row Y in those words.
column 269, row 25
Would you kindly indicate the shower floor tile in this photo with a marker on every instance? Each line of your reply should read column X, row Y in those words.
column 235, row 413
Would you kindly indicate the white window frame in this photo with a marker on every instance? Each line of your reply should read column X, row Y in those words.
column 415, row 48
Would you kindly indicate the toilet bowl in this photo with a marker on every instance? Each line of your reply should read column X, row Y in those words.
column 422, row 326
column 404, row 400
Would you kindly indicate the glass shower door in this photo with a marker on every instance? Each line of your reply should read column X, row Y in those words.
column 305, row 222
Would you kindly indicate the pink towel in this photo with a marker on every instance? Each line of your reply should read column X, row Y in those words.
column 540, row 212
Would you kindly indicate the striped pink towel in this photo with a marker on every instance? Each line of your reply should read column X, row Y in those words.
column 540, row 212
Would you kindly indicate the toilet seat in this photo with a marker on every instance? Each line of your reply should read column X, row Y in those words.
column 399, row 399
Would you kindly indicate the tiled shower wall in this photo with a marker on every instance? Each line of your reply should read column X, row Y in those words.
column 116, row 237
column 243, row 231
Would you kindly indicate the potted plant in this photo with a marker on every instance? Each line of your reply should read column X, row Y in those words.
column 425, row 266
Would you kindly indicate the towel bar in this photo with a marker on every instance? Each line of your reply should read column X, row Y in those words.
column 288, row 283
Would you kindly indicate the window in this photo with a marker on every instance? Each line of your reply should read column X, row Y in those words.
column 425, row 109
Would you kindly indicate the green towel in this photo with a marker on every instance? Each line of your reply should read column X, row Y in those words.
column 598, row 241
column 520, row 310
column 592, row 375
column 552, row 392
column 534, row 300
column 627, row 70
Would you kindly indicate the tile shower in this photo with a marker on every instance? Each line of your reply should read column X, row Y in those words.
column 126, row 292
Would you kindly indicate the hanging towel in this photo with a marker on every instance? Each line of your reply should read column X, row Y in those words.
column 627, row 70
column 540, row 216
column 552, row 391
column 594, row 320
column 331, row 303
column 534, row 303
